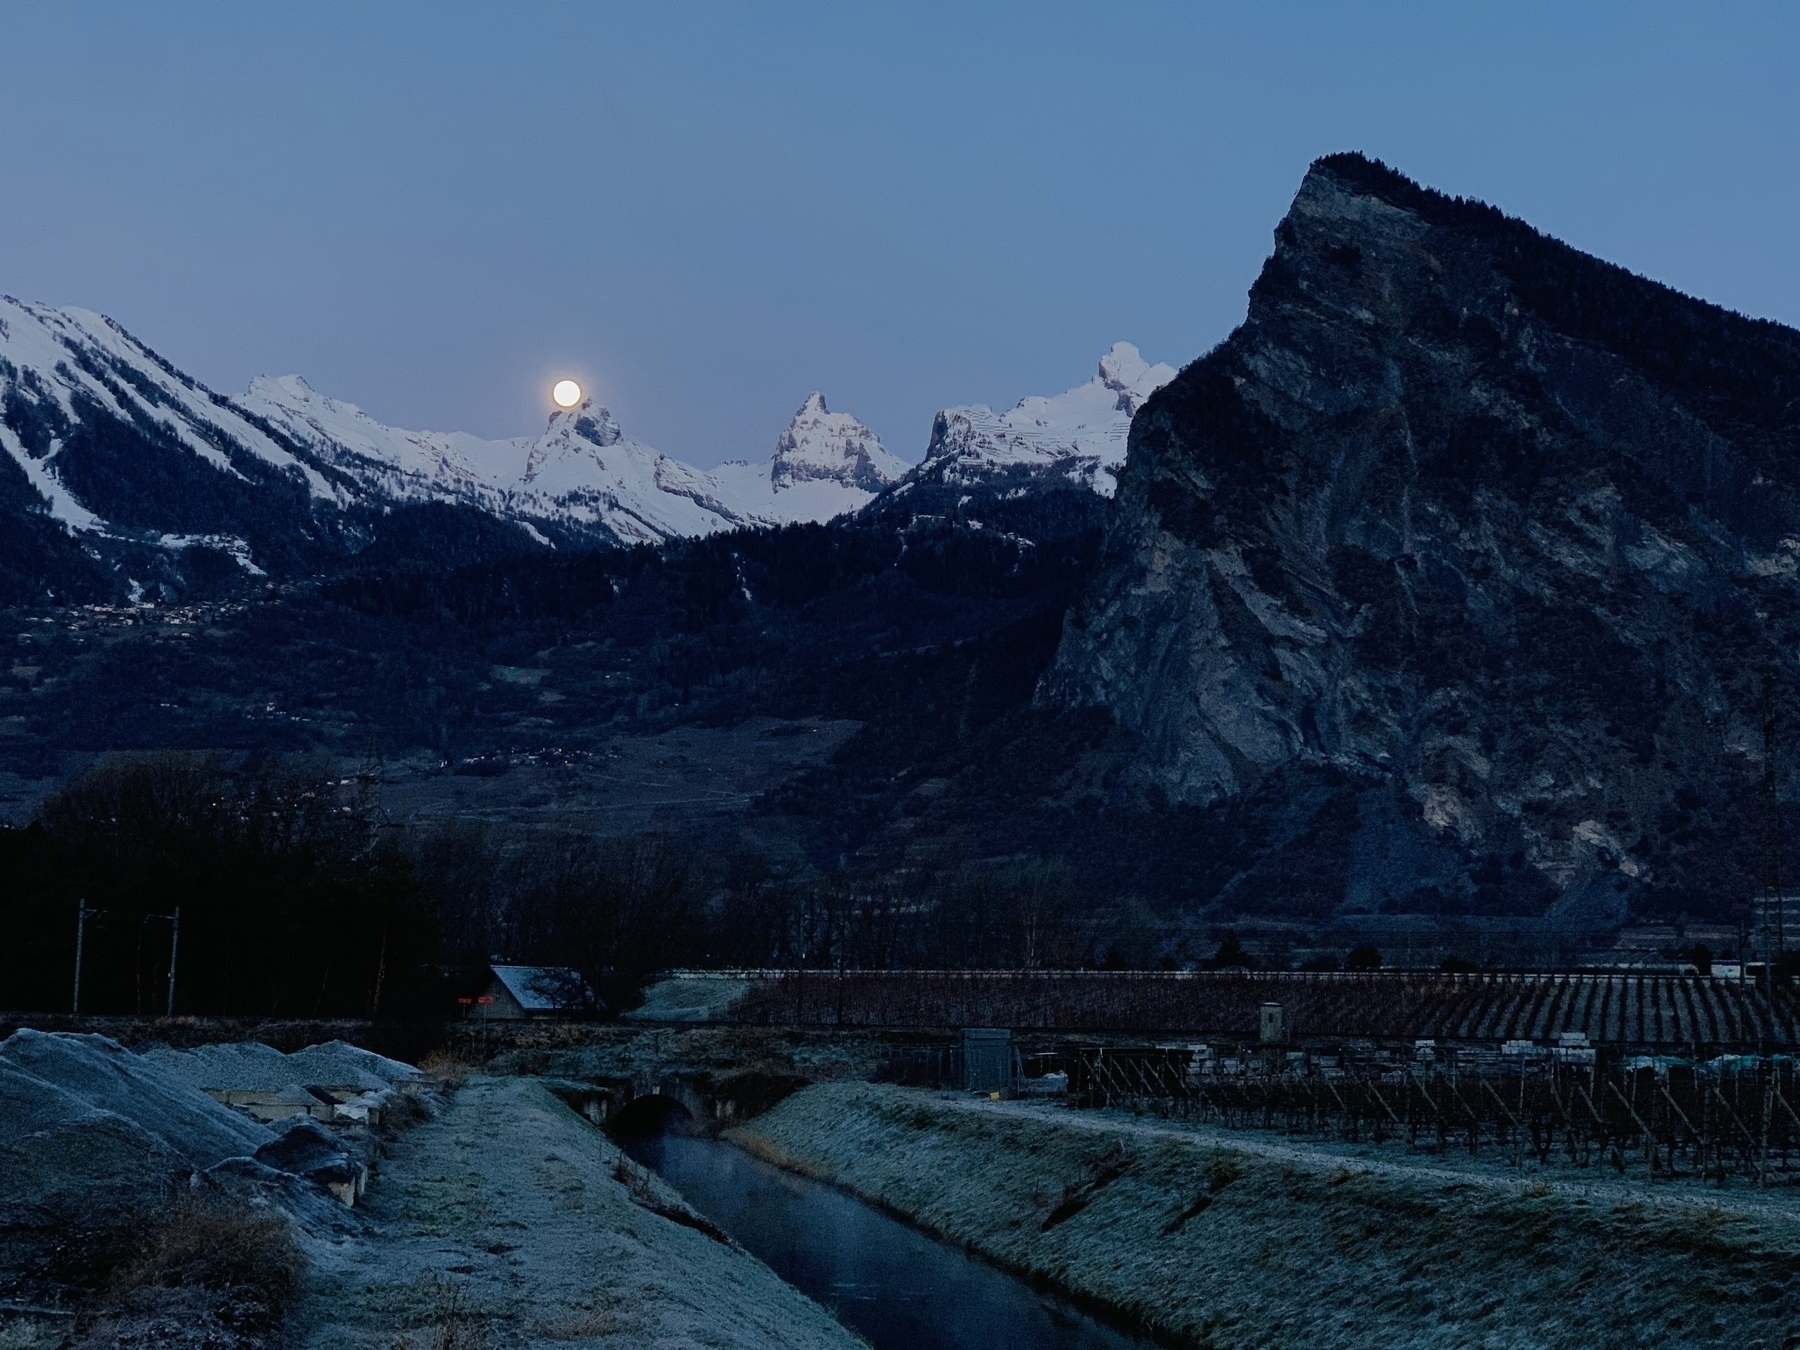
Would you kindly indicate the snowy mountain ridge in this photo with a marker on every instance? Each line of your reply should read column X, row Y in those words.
column 117, row 463
column 582, row 474
column 61, row 366
column 76, row 390
column 584, row 471
column 1078, row 435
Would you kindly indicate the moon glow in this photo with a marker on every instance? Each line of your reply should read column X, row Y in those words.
column 566, row 393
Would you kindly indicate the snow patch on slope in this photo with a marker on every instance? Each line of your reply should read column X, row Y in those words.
column 58, row 500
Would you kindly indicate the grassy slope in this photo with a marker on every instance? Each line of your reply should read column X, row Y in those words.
column 1210, row 1244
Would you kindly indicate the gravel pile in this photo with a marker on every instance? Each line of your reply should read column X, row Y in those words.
column 242, row 1066
column 250, row 1066
column 340, row 1064
column 87, row 1126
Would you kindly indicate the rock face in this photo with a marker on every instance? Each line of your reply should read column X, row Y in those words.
column 1076, row 437
column 822, row 445
column 1465, row 558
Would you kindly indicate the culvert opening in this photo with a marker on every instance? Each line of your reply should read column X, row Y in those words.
column 648, row 1116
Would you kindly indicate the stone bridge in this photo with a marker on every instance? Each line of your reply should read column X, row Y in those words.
column 646, row 1102
column 627, row 1077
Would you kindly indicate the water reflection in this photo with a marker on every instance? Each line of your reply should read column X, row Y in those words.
column 893, row 1285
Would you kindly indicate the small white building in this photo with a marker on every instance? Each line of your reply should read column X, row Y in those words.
column 517, row 993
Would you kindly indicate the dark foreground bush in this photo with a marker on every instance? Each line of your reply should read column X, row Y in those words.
column 209, row 1274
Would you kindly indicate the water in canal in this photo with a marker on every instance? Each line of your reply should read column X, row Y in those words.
column 897, row 1288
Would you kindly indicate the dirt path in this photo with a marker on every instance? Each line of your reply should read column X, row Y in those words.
column 509, row 1221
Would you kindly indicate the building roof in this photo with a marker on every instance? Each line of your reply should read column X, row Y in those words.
column 545, row 988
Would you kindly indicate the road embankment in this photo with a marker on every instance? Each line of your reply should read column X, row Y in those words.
column 1212, row 1239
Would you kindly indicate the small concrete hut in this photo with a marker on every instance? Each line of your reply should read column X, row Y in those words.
column 520, row 993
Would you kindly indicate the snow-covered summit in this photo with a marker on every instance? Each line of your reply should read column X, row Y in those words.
column 1078, row 435
column 825, row 465
column 821, row 444
column 1124, row 371
column 584, row 469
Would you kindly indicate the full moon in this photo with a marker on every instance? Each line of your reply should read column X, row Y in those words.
column 567, row 393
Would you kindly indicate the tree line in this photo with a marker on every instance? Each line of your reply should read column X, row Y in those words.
column 298, row 897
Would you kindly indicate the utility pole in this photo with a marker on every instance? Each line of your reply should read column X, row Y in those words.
column 82, row 915
column 174, row 951
column 1772, row 938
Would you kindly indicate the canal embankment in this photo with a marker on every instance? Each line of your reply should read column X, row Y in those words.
column 509, row 1220
column 1209, row 1238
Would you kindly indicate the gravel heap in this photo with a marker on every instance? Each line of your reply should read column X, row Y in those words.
column 88, row 1126
column 244, row 1066
column 340, row 1064
column 250, row 1066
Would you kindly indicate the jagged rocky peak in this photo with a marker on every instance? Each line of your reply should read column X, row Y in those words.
column 1458, row 562
column 586, row 426
column 1074, row 438
column 822, row 445
column 1124, row 371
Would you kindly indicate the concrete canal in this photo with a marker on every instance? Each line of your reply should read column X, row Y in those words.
column 891, row 1284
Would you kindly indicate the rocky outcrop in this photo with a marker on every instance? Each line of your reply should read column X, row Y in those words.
column 1488, row 542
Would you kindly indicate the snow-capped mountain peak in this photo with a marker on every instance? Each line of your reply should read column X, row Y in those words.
column 585, row 469
column 1078, row 435
column 581, row 431
column 1124, row 371
column 820, row 444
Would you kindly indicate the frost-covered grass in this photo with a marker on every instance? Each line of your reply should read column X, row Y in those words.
column 207, row 1272
column 510, row 1221
column 1214, row 1241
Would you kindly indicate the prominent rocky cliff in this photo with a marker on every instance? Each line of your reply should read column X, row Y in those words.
column 1466, row 557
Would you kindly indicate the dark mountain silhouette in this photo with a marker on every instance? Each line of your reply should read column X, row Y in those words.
column 1488, row 543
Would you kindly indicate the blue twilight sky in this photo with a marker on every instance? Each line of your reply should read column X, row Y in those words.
column 704, row 212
